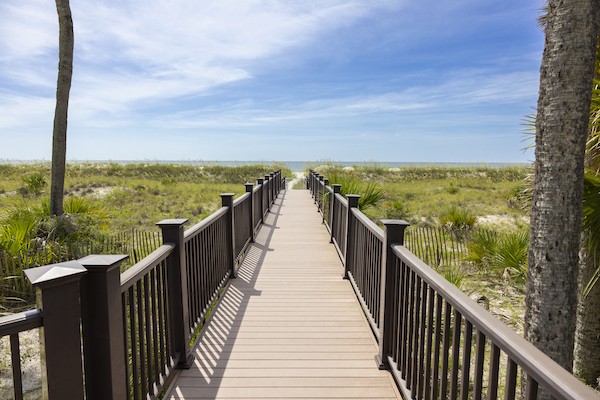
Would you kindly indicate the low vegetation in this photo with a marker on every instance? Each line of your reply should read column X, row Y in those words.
column 102, row 201
column 470, row 224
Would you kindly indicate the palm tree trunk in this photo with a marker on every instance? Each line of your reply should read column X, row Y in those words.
column 586, row 365
column 63, row 87
column 561, row 131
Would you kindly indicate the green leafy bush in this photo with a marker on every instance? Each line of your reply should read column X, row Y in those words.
column 500, row 252
column 370, row 193
column 33, row 185
column 458, row 218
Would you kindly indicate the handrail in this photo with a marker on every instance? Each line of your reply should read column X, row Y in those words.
column 12, row 325
column 341, row 199
column 137, row 272
column 426, row 326
column 241, row 198
column 537, row 364
column 20, row 322
column 367, row 223
column 195, row 229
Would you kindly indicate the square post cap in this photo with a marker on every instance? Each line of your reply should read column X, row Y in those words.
column 249, row 186
column 352, row 200
column 172, row 222
column 55, row 274
column 102, row 261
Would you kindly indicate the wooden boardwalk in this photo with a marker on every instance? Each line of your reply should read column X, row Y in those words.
column 289, row 326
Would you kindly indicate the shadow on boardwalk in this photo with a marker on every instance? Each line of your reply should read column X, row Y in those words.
column 295, row 332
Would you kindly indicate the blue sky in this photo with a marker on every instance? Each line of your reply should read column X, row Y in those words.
column 347, row 80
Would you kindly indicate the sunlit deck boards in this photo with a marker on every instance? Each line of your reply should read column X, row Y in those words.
column 288, row 326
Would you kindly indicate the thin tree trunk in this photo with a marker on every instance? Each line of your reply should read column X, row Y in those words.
column 63, row 87
column 561, row 132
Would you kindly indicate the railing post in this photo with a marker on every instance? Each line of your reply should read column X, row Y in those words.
column 337, row 188
column 319, row 193
column 315, row 186
column 325, row 192
column 280, row 181
column 227, row 201
column 172, row 233
column 350, row 229
column 250, row 189
column 393, row 233
column 261, row 201
column 57, row 292
column 102, row 325
column 267, row 204
column 272, row 187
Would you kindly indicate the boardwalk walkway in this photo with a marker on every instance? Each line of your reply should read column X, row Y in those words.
column 289, row 326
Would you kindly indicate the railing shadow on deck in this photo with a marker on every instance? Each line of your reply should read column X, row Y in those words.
column 138, row 327
column 214, row 343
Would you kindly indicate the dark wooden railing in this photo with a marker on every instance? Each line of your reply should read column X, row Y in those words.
column 437, row 342
column 11, row 326
column 138, row 326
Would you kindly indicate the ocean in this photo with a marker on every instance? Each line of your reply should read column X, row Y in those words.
column 295, row 166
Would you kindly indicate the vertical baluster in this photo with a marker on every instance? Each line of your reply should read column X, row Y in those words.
column 142, row 339
column 406, row 320
column 479, row 360
column 531, row 388
column 127, row 342
column 438, row 343
column 466, row 361
column 446, row 350
column 493, row 378
column 428, row 345
column 396, row 310
column 160, row 287
column 134, row 344
column 511, row 379
column 411, row 323
column 415, row 337
column 422, row 355
column 15, row 359
column 455, row 354
column 155, row 344
column 148, row 332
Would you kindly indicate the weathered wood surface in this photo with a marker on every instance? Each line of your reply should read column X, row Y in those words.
column 289, row 326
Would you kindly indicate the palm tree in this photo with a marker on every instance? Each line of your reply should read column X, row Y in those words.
column 63, row 87
column 586, row 364
column 561, row 132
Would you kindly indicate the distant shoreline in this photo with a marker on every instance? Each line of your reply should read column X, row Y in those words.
column 295, row 166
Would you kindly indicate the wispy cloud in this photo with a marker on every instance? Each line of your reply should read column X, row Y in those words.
column 254, row 69
column 128, row 53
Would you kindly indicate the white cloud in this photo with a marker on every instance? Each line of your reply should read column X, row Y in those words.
column 142, row 50
column 471, row 88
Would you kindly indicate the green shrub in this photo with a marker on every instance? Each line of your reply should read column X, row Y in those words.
column 370, row 193
column 458, row 218
column 511, row 254
column 33, row 185
column 500, row 252
column 453, row 274
column 396, row 210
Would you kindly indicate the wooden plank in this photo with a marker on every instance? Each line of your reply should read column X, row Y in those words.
column 289, row 326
